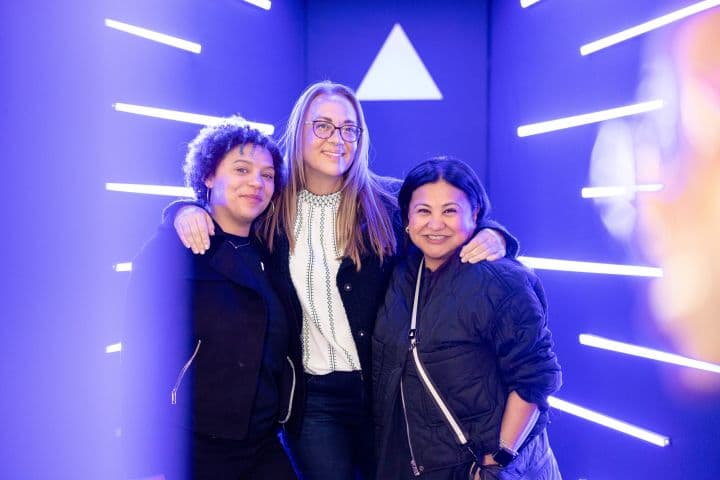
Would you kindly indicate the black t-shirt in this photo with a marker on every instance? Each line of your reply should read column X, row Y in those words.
column 267, row 401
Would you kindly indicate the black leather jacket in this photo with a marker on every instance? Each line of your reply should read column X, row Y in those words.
column 481, row 333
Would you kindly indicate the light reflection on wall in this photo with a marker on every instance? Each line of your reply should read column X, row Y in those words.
column 678, row 228
column 612, row 163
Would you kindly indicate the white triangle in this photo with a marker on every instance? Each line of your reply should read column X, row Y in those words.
column 398, row 73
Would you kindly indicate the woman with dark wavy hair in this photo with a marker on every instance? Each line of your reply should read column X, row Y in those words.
column 462, row 356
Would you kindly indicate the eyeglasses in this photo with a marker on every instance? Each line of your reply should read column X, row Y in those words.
column 325, row 130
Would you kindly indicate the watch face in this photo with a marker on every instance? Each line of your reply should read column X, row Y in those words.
column 503, row 457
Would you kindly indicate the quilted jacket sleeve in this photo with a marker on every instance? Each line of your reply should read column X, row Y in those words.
column 523, row 342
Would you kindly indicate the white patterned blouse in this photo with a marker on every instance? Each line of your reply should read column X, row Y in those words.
column 327, row 342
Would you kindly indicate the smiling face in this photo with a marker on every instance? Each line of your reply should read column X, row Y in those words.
column 241, row 188
column 440, row 219
column 325, row 161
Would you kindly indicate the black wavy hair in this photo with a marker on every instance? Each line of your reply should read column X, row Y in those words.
column 455, row 172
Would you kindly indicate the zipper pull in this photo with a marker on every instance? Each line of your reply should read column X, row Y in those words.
column 417, row 471
column 412, row 335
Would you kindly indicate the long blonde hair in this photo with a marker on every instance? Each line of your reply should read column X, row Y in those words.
column 363, row 215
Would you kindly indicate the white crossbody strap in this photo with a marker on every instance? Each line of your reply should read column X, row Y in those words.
column 427, row 382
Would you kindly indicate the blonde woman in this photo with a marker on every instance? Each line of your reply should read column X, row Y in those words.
column 336, row 236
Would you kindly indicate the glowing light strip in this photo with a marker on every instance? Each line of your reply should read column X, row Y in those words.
column 264, row 4
column 154, row 36
column 165, row 190
column 619, row 191
column 123, row 267
column 590, row 267
column 186, row 117
column 114, row 348
column 653, row 24
column 587, row 118
column 637, row 351
column 610, row 422
column 527, row 3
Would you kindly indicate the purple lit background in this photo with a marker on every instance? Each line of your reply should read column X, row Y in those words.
column 498, row 66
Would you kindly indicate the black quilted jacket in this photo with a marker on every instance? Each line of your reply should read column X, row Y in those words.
column 481, row 333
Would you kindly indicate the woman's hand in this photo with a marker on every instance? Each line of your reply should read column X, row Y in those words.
column 486, row 245
column 194, row 227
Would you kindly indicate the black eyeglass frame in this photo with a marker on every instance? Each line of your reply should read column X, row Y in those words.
column 335, row 127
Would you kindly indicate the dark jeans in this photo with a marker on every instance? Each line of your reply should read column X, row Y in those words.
column 336, row 438
column 220, row 459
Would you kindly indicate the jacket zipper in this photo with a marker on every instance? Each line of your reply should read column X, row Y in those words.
column 292, row 392
column 173, row 393
column 417, row 471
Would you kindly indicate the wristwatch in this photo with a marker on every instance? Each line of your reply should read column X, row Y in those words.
column 504, row 455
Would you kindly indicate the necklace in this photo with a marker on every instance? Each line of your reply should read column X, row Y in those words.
column 236, row 246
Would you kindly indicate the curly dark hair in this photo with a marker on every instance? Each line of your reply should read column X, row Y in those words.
column 213, row 142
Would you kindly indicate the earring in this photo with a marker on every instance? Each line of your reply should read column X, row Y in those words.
column 207, row 196
column 407, row 229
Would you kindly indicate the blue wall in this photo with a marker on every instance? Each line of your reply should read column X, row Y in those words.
column 342, row 42
column 497, row 65
column 61, row 301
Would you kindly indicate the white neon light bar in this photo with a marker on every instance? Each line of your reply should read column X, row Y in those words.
column 588, row 118
column 637, row 351
column 590, row 267
column 653, row 24
column 264, row 4
column 527, row 3
column 619, row 190
column 123, row 267
column 165, row 190
column 610, row 422
column 154, row 36
column 114, row 348
column 195, row 118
